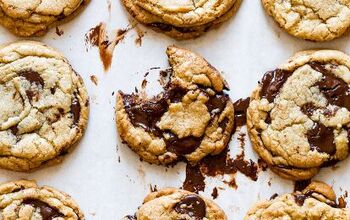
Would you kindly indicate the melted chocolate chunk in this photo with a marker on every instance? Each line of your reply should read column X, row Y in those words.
column 241, row 106
column 194, row 181
column 272, row 82
column 321, row 138
column 182, row 146
column 47, row 212
column 75, row 109
column 332, row 87
column 192, row 205
column 300, row 185
column 308, row 109
column 32, row 77
column 217, row 103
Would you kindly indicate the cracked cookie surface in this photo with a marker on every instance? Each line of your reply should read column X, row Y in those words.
column 299, row 116
column 316, row 201
column 24, row 199
column 192, row 118
column 43, row 105
column 173, row 204
column 309, row 19
column 182, row 19
column 34, row 17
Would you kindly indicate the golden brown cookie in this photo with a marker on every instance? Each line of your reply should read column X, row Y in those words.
column 24, row 199
column 182, row 19
column 43, row 103
column 28, row 18
column 192, row 118
column 317, row 201
column 299, row 115
column 309, row 19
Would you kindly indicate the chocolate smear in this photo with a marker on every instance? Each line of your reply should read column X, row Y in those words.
column 47, row 212
column 192, row 205
column 217, row 103
column 194, row 181
column 272, row 82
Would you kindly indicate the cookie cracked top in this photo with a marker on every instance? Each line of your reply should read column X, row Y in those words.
column 24, row 199
column 174, row 204
column 33, row 17
column 311, row 20
column 182, row 19
column 299, row 116
column 316, row 201
column 43, row 105
column 192, row 118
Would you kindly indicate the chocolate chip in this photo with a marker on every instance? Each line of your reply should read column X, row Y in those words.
column 241, row 106
column 75, row 109
column 192, row 205
column 308, row 109
column 217, row 102
column 14, row 129
column 321, row 138
column 272, row 82
column 47, row 212
column 32, row 77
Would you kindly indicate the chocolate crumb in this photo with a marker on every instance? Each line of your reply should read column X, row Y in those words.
column 214, row 194
column 59, row 32
column 94, row 79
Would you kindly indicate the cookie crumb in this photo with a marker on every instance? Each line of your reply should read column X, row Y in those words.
column 94, row 79
column 59, row 32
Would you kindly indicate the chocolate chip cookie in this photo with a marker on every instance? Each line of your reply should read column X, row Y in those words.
column 171, row 203
column 25, row 200
column 43, row 105
column 309, row 19
column 192, row 118
column 299, row 116
column 182, row 19
column 316, row 201
column 34, row 17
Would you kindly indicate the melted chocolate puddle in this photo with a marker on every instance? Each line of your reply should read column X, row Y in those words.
column 32, row 77
column 192, row 205
column 47, row 212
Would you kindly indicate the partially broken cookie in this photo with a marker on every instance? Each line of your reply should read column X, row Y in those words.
column 316, row 201
column 299, row 115
column 171, row 203
column 182, row 19
column 191, row 119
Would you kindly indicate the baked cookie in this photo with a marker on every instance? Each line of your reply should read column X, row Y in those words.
column 182, row 19
column 299, row 116
column 310, row 19
column 171, row 203
column 34, row 17
column 43, row 105
column 26, row 200
column 192, row 118
column 317, row 201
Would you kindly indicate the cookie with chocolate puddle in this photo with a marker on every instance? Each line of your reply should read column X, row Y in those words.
column 299, row 116
column 171, row 203
column 316, row 201
column 26, row 200
column 182, row 19
column 192, row 118
column 43, row 104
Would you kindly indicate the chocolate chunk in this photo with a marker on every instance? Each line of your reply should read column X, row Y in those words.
column 241, row 106
column 194, row 181
column 192, row 205
column 321, row 138
column 32, row 77
column 332, row 87
column 75, row 109
column 272, row 82
column 47, row 212
column 217, row 102
column 300, row 199
column 184, row 145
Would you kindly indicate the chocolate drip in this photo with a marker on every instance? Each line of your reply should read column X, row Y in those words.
column 194, row 181
column 32, row 77
column 192, row 205
column 182, row 146
column 75, row 109
column 241, row 106
column 308, row 109
column 272, row 82
column 321, row 138
column 47, row 212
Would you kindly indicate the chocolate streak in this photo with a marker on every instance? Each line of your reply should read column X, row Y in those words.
column 47, row 212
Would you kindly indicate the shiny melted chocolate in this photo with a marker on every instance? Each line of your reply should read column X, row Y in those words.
column 272, row 82
column 32, row 77
column 47, row 212
column 321, row 138
column 194, row 181
column 241, row 106
column 192, row 205
column 75, row 109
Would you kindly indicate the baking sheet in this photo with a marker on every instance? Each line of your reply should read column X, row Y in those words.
column 244, row 48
